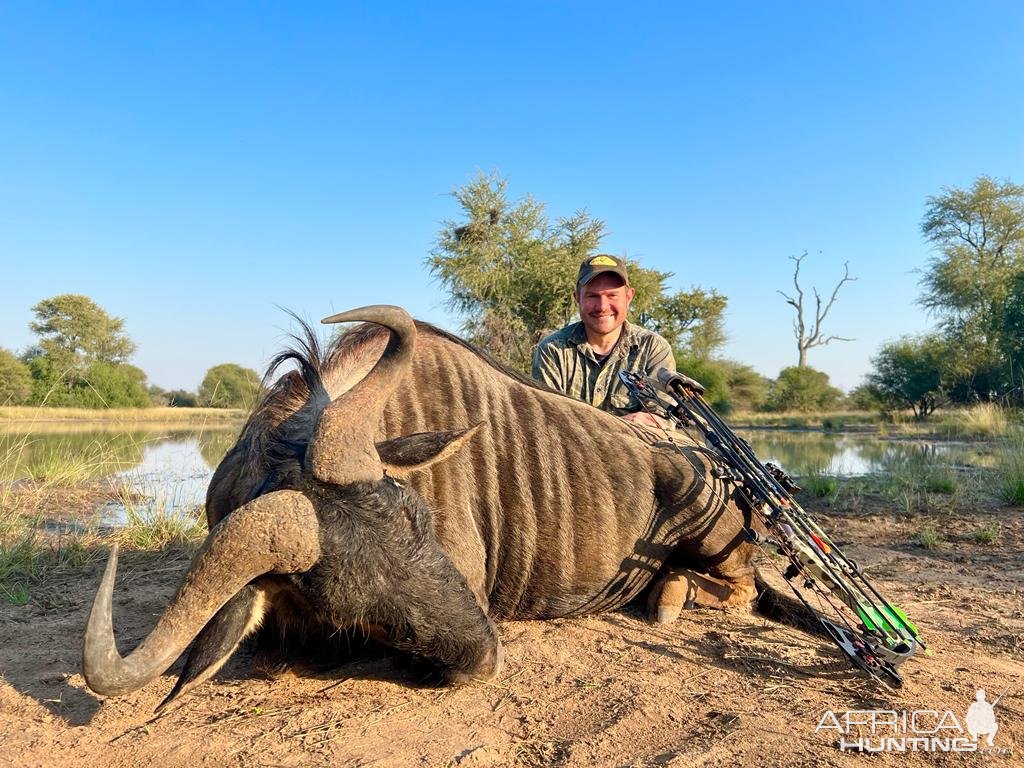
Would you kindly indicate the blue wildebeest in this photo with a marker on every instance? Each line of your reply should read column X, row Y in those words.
column 404, row 484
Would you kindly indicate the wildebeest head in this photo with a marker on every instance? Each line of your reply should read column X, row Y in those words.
column 345, row 538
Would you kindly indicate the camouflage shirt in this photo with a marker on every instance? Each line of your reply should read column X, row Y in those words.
column 565, row 361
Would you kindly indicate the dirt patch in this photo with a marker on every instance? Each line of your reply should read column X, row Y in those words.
column 709, row 690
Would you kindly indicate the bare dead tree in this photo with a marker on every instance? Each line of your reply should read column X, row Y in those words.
column 806, row 338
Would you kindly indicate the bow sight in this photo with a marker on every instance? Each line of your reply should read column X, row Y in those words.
column 875, row 635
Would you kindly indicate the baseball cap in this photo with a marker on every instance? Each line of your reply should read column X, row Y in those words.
column 596, row 265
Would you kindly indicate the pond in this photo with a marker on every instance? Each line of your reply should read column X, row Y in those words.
column 167, row 470
column 155, row 470
column 801, row 453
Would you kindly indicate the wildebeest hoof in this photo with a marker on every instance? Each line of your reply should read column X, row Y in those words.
column 688, row 589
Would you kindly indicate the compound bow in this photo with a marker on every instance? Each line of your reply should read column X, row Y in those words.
column 873, row 633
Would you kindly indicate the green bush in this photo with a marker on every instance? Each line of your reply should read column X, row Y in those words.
column 747, row 389
column 179, row 398
column 867, row 397
column 820, row 485
column 15, row 380
column 713, row 375
column 930, row 537
column 229, row 386
column 100, row 385
column 802, row 389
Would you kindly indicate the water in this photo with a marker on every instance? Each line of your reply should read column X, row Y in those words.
column 171, row 478
column 167, row 471
column 851, row 455
column 155, row 471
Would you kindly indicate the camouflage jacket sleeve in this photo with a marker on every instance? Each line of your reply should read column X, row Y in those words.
column 547, row 366
column 661, row 357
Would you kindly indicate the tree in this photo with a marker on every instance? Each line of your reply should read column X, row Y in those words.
column 867, row 397
column 978, row 234
column 691, row 321
column 809, row 337
column 510, row 271
column 15, row 380
column 911, row 373
column 79, row 360
column 1011, row 339
column 802, row 389
column 713, row 377
column 748, row 389
column 229, row 386
column 75, row 327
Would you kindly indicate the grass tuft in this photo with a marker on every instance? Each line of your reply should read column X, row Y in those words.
column 153, row 525
column 984, row 420
column 30, row 559
column 929, row 537
column 1011, row 469
column 987, row 534
column 939, row 479
column 820, row 485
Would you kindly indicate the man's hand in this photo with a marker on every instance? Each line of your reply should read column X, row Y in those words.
column 643, row 417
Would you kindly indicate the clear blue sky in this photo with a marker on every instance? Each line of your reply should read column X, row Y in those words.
column 191, row 169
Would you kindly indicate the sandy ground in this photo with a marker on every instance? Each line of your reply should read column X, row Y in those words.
column 711, row 689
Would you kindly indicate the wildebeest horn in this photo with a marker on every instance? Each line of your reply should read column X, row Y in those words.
column 275, row 533
column 343, row 449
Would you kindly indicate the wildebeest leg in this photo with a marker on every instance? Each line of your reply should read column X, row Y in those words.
column 220, row 637
column 728, row 584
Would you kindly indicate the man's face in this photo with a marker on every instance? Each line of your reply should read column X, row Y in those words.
column 603, row 303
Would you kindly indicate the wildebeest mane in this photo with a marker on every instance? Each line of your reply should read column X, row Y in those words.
column 292, row 404
column 293, row 389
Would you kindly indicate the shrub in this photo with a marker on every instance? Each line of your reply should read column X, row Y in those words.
column 229, row 386
column 929, row 537
column 802, row 389
column 15, row 380
column 100, row 385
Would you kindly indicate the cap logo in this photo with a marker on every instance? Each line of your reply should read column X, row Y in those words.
column 603, row 261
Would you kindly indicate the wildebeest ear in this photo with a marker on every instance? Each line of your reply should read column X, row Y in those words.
column 402, row 455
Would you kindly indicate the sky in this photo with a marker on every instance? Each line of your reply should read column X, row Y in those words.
column 194, row 169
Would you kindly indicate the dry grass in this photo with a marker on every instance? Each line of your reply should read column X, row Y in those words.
column 985, row 420
column 43, row 415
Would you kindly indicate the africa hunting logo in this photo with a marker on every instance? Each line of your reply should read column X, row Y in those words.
column 919, row 730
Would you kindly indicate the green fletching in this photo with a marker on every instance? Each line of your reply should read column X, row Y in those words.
column 888, row 617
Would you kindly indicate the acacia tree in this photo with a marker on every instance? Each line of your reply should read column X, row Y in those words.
column 911, row 373
column 978, row 234
column 510, row 271
column 810, row 334
column 74, row 327
column 80, row 358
